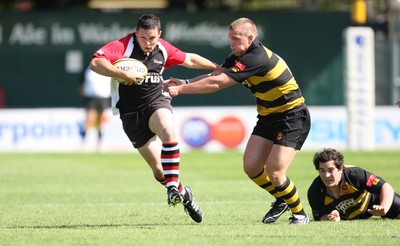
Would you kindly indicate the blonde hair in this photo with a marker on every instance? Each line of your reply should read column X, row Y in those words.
column 248, row 26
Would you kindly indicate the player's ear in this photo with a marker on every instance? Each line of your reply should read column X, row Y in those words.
column 250, row 39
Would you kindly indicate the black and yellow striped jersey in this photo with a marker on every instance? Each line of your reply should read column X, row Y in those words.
column 359, row 190
column 267, row 76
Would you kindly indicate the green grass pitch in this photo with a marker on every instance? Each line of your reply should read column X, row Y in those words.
column 112, row 199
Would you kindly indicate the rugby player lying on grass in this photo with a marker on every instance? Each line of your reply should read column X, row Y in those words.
column 345, row 192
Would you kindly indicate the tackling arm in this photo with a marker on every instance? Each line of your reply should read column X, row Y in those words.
column 202, row 85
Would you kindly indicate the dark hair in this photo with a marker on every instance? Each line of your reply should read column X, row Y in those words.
column 326, row 155
column 149, row 21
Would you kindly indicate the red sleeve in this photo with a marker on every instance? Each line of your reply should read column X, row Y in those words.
column 175, row 56
column 114, row 50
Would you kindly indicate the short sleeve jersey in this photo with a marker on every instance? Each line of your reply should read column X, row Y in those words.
column 359, row 190
column 267, row 76
column 137, row 97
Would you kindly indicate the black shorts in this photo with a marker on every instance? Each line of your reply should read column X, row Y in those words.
column 288, row 129
column 97, row 103
column 394, row 210
column 136, row 124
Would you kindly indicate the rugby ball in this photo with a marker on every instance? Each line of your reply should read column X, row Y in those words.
column 132, row 65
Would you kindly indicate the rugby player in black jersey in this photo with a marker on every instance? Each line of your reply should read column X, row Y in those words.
column 283, row 118
column 144, row 109
column 345, row 192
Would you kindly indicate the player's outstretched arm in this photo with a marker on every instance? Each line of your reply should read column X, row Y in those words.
column 387, row 195
column 205, row 85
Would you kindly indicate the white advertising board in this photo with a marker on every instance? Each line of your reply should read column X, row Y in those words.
column 209, row 128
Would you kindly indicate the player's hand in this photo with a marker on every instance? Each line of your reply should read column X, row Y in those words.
column 377, row 210
column 171, row 82
column 131, row 79
column 174, row 81
column 334, row 216
column 173, row 91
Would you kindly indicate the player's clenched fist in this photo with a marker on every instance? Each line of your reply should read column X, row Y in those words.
column 173, row 91
column 172, row 86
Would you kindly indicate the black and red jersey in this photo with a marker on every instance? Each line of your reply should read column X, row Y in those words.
column 359, row 190
column 138, row 97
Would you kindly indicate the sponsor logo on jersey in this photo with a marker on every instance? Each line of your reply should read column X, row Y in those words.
column 279, row 136
column 152, row 78
column 344, row 205
column 345, row 189
column 372, row 180
column 376, row 181
column 157, row 61
column 240, row 65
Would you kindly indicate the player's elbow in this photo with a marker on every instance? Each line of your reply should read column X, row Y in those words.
column 96, row 63
column 387, row 191
column 93, row 65
column 190, row 60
